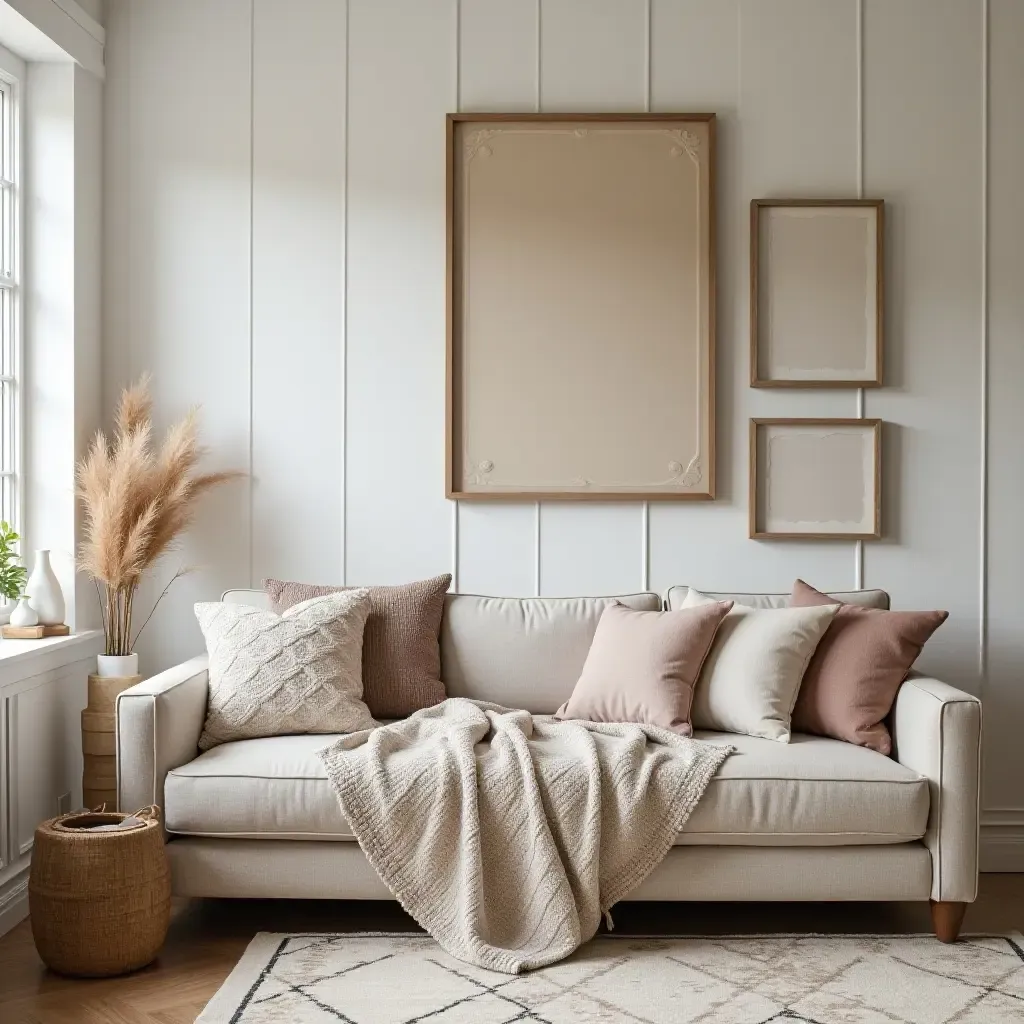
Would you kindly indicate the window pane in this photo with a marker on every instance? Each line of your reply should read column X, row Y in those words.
column 7, row 200
column 7, row 367
column 8, row 439
column 8, row 231
column 6, row 126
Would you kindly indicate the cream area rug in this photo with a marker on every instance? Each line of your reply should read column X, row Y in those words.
column 370, row 978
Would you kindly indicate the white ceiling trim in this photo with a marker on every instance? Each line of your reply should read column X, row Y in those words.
column 52, row 30
column 82, row 17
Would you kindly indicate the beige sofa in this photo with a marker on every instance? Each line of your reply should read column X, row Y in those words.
column 815, row 819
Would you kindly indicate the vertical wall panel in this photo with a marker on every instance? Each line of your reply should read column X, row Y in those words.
column 695, row 58
column 1003, row 693
column 923, row 154
column 497, row 55
column 776, row 137
column 590, row 549
column 798, row 140
column 497, row 71
column 593, row 57
column 189, row 275
column 298, row 235
column 401, row 84
column 593, row 54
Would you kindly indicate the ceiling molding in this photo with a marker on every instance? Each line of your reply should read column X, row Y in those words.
column 82, row 17
column 52, row 30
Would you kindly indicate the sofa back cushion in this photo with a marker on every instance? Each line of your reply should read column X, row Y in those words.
column 253, row 598
column 675, row 597
column 522, row 652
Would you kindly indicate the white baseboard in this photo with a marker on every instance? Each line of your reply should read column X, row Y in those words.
column 14, row 904
column 1002, row 848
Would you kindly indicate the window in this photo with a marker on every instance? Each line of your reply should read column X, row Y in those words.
column 10, row 294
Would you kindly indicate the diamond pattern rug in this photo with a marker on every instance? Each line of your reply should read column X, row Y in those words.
column 371, row 978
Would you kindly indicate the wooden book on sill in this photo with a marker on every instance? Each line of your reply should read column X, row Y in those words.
column 33, row 632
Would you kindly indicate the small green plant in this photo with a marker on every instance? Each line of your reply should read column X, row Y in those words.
column 12, row 575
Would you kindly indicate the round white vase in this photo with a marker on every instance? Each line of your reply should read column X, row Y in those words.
column 113, row 665
column 5, row 611
column 24, row 614
column 44, row 588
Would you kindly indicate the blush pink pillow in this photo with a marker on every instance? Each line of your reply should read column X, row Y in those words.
column 642, row 666
column 852, row 679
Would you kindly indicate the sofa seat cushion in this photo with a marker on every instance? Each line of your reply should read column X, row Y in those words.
column 810, row 792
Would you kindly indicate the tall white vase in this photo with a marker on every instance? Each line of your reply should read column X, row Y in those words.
column 43, row 589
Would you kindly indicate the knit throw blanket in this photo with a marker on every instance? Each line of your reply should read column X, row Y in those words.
column 507, row 836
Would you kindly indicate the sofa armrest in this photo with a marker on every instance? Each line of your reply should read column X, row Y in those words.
column 937, row 733
column 158, row 726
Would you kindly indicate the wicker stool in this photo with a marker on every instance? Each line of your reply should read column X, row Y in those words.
column 100, row 901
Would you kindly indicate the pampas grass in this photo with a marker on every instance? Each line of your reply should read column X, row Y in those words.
column 138, row 499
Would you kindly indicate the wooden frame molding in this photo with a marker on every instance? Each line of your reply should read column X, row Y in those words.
column 758, row 379
column 505, row 370
column 758, row 480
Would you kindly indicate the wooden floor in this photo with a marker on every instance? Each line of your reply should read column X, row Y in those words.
column 208, row 936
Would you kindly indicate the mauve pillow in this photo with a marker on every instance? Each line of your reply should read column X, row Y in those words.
column 852, row 680
column 401, row 655
column 642, row 666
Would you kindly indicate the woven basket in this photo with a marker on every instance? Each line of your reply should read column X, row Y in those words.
column 100, row 901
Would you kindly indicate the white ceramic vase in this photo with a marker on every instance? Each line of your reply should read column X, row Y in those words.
column 5, row 611
column 43, row 588
column 24, row 614
column 114, row 665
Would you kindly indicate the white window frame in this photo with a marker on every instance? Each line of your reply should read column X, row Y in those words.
column 12, row 362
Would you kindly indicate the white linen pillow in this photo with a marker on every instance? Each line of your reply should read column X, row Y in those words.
column 751, row 677
column 272, row 675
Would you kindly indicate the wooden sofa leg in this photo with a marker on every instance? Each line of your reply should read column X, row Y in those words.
column 946, row 919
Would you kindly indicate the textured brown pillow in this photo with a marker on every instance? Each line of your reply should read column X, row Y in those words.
column 852, row 680
column 642, row 666
column 401, row 656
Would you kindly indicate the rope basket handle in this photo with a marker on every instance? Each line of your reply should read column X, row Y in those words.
column 147, row 816
column 150, row 813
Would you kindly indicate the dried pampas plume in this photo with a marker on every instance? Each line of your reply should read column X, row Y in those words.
column 138, row 499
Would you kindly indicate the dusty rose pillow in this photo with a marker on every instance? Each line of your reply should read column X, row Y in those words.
column 852, row 679
column 642, row 666
column 401, row 655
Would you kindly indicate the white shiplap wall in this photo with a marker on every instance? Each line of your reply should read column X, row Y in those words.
column 275, row 241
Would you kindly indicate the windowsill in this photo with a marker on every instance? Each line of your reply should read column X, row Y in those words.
column 22, row 658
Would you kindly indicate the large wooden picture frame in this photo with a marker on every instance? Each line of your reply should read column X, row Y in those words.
column 816, row 293
column 580, row 307
column 815, row 479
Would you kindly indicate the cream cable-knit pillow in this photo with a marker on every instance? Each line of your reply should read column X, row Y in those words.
column 271, row 675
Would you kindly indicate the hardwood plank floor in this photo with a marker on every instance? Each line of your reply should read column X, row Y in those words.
column 208, row 936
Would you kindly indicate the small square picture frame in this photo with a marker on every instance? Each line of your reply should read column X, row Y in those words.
column 817, row 291
column 815, row 479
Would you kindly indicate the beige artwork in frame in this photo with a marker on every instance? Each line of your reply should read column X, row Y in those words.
column 580, row 307
column 816, row 293
column 815, row 479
